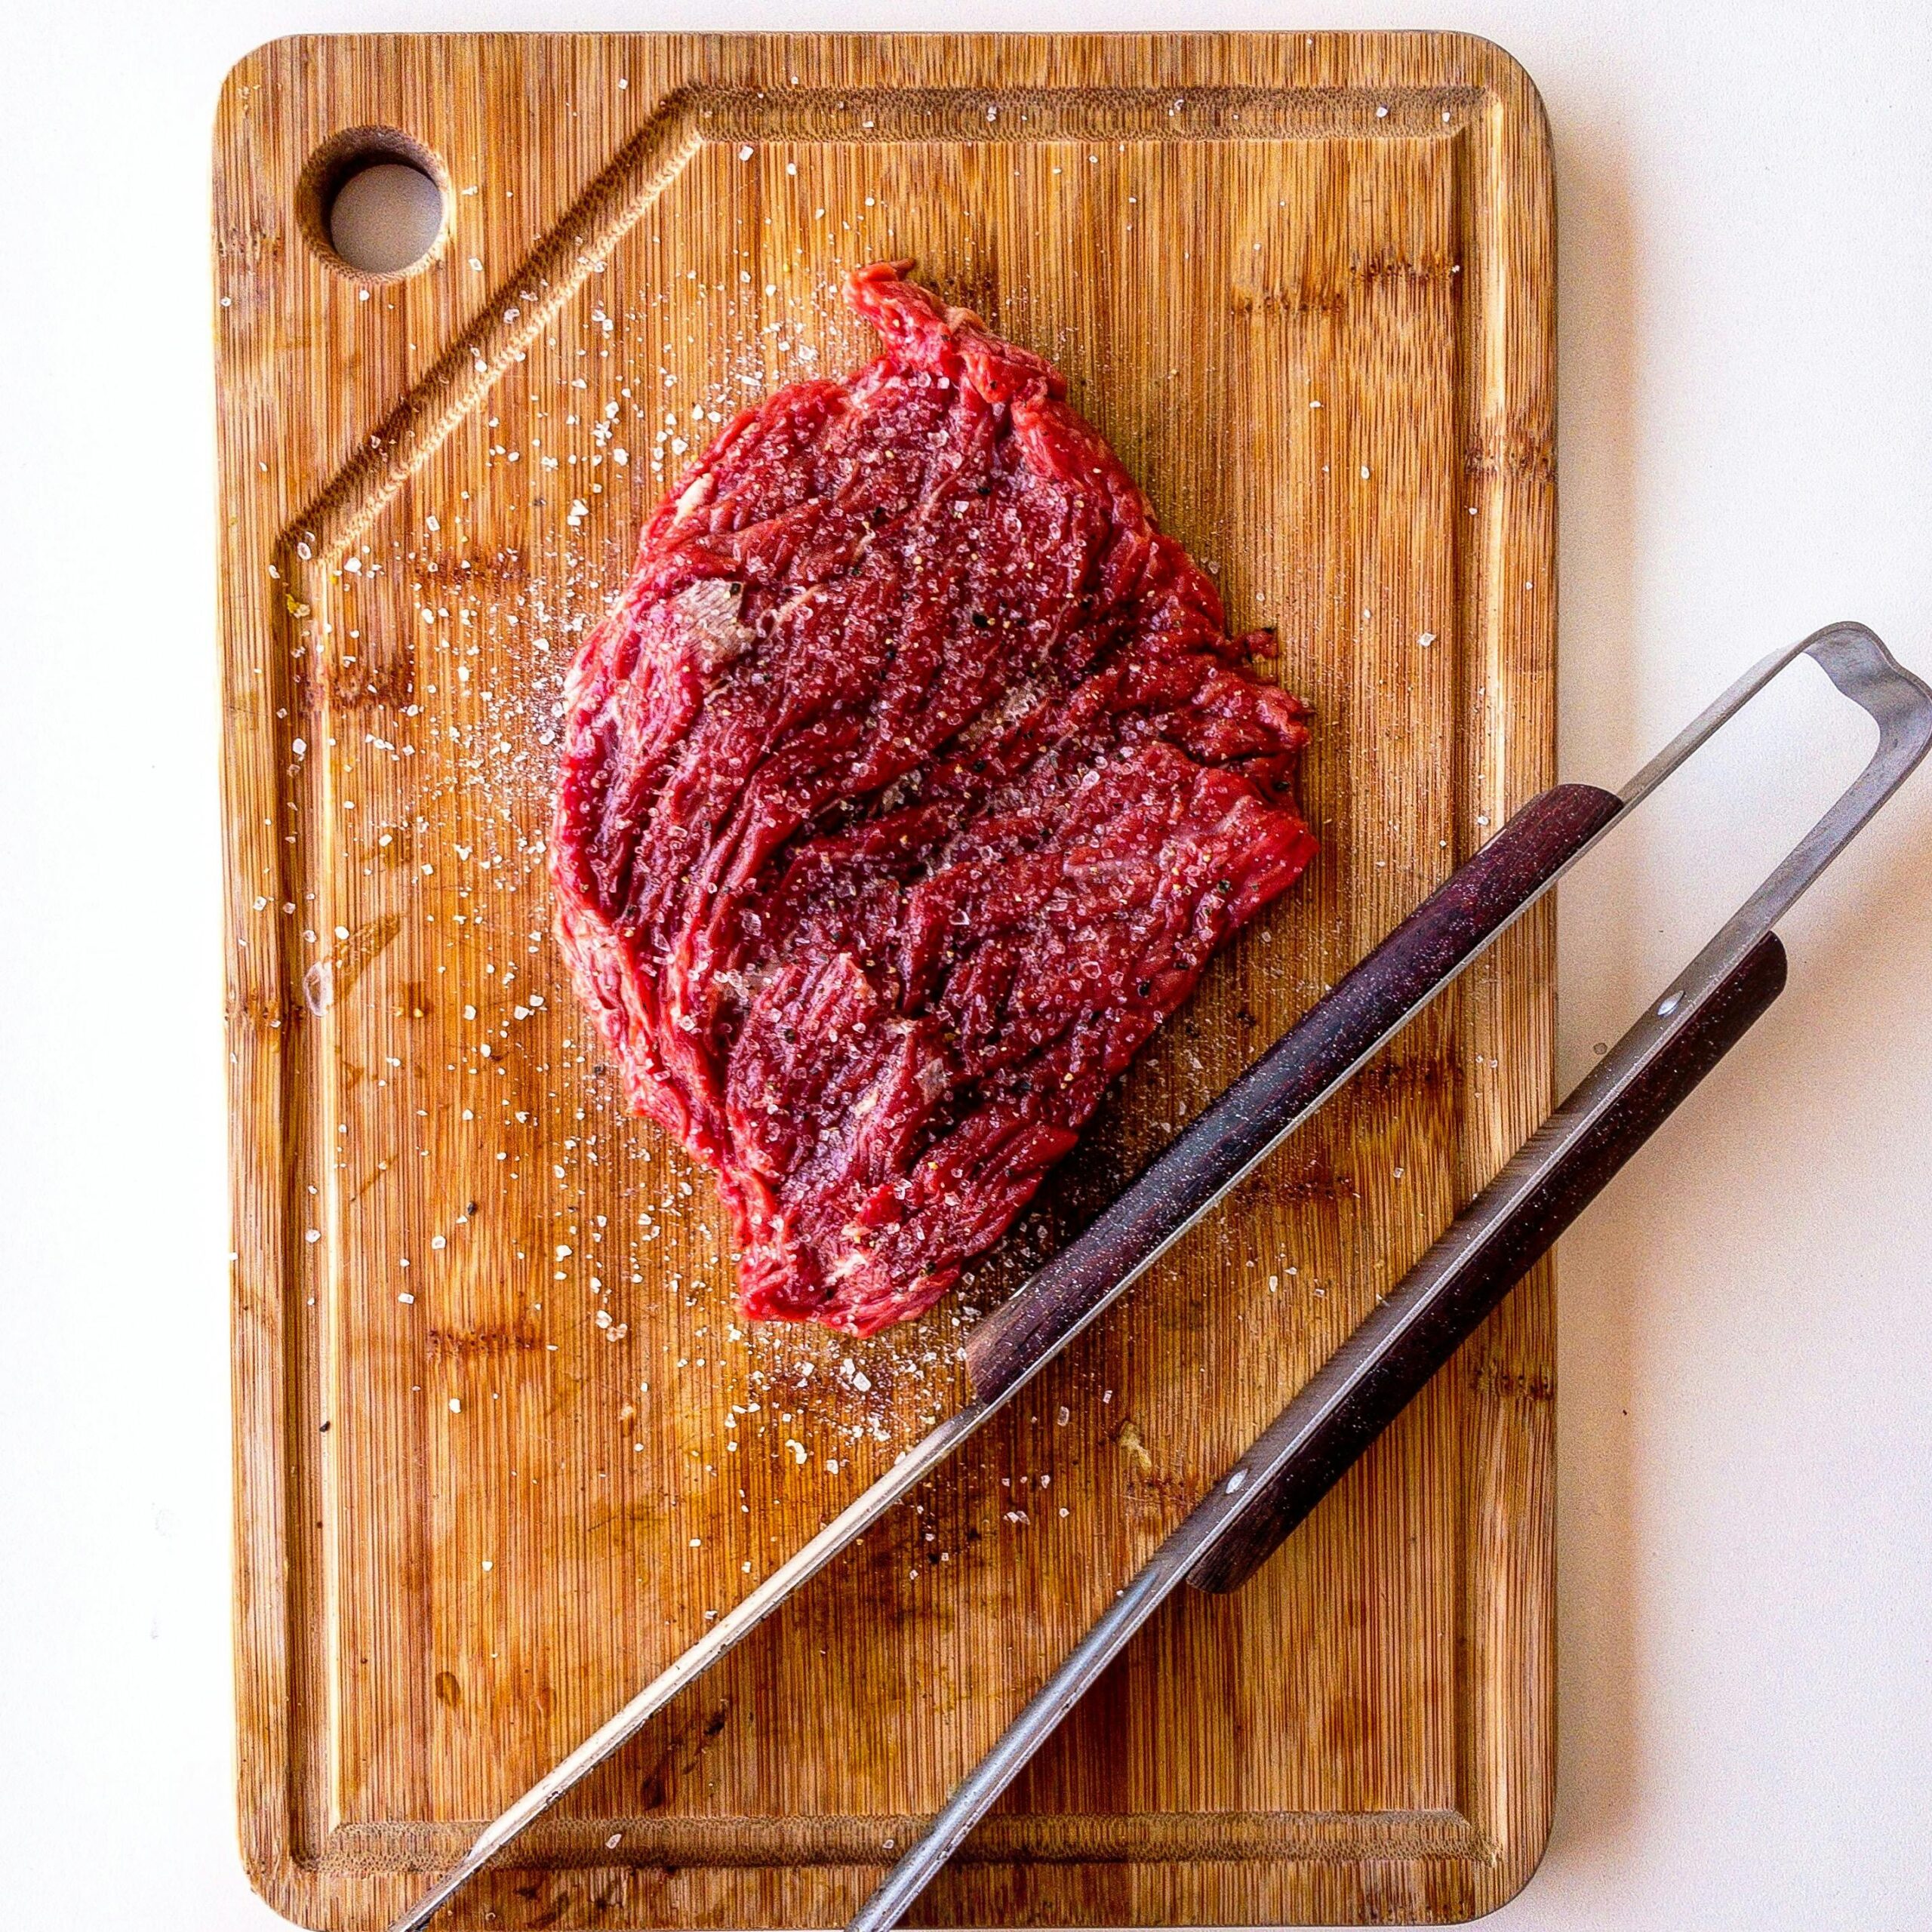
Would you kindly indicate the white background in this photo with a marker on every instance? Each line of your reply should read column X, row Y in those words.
column 1746, row 202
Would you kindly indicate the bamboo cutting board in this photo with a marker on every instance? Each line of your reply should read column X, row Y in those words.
column 502, row 1447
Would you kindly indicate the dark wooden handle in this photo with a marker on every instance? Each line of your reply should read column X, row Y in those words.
column 1414, row 1330
column 1324, row 1047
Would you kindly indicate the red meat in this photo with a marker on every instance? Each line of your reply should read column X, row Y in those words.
column 905, row 792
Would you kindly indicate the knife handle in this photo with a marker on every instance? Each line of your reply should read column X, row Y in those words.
column 1323, row 1047
column 1488, row 1248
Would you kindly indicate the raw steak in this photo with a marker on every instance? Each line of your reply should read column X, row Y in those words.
column 905, row 792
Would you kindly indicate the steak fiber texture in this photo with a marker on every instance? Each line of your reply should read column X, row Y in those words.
column 906, row 789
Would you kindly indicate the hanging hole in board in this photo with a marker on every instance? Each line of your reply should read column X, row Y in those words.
column 374, row 203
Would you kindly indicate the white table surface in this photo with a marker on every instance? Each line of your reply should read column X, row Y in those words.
column 1746, row 200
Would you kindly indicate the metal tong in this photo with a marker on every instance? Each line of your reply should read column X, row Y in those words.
column 1374, row 1373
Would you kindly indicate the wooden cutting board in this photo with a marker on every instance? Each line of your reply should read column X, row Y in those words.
column 502, row 1447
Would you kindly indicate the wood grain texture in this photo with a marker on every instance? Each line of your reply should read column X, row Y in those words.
column 500, row 1445
column 1410, row 1336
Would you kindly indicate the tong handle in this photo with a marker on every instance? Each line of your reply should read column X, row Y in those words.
column 1321, row 1050
column 1490, row 1247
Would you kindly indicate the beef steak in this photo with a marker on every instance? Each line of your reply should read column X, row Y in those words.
column 905, row 790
